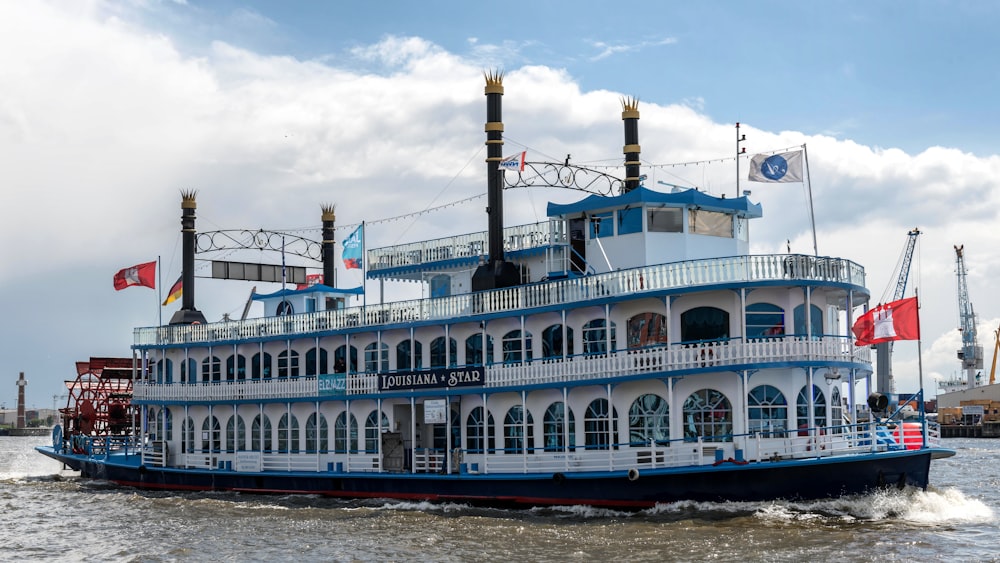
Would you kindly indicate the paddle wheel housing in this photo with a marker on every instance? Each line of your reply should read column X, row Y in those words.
column 100, row 399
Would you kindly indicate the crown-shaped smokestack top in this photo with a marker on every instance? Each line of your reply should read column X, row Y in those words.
column 188, row 199
column 630, row 116
column 329, row 211
column 494, row 81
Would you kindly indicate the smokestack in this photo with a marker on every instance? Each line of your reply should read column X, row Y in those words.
column 497, row 272
column 21, row 384
column 187, row 314
column 329, row 262
column 630, row 115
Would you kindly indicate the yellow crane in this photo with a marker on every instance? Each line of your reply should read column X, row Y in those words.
column 996, row 348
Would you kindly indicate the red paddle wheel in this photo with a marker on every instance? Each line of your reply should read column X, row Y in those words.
column 100, row 399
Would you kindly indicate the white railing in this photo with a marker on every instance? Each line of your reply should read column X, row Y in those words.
column 693, row 273
column 576, row 368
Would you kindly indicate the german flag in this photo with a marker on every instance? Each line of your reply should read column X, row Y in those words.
column 175, row 291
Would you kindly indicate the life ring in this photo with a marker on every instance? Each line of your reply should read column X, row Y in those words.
column 633, row 474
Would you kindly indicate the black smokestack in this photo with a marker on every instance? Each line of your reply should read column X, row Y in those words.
column 329, row 264
column 187, row 314
column 630, row 116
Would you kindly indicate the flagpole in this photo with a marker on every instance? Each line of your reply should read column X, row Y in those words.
column 920, row 370
column 812, row 215
column 364, row 286
column 159, row 292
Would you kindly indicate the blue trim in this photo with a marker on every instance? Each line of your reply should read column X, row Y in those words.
column 318, row 288
column 688, row 198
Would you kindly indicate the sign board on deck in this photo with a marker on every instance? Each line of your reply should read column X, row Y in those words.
column 249, row 462
column 434, row 411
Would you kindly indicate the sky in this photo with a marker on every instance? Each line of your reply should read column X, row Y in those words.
column 108, row 110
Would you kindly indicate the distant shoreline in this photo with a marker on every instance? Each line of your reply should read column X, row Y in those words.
column 34, row 431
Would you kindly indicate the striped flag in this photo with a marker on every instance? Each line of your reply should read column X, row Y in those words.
column 175, row 291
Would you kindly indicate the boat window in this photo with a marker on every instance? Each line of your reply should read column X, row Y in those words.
column 765, row 320
column 552, row 342
column 288, row 434
column 288, row 363
column 372, row 433
column 708, row 414
column 404, row 361
column 742, row 227
column 165, row 371
column 474, row 350
column 475, row 430
column 168, row 425
column 260, row 436
column 284, row 308
column 440, row 285
column 340, row 359
column 704, row 323
column 815, row 321
column 513, row 431
column 236, row 367
column 712, row 223
column 649, row 420
column 630, row 220
column 768, row 411
column 647, row 329
column 189, row 371
column 602, row 225
column 665, row 220
column 837, row 410
column 595, row 337
column 345, row 439
column 236, row 434
column 374, row 361
column 316, row 365
column 317, row 437
column 211, row 435
column 310, row 304
column 260, row 369
column 187, row 436
column 554, row 430
column 438, row 353
column 598, row 430
column 802, row 408
column 211, row 369
column 513, row 347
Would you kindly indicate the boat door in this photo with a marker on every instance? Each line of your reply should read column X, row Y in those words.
column 578, row 244
column 402, row 416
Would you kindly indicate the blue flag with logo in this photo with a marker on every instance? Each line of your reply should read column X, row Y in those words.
column 353, row 248
column 784, row 167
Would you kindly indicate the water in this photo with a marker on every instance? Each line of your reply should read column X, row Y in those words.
column 47, row 514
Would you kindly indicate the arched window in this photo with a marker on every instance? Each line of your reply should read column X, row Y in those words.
column 480, row 434
column 374, row 361
column 802, row 407
column 474, row 350
column 403, row 355
column 599, row 431
column 168, row 425
column 165, row 371
column 211, row 369
column 704, row 323
column 211, row 435
column 260, row 434
column 187, row 436
column 288, row 363
column 646, row 329
column 836, row 411
column 260, row 369
column 372, row 431
column 649, row 420
column 345, row 438
column 438, row 353
column 552, row 342
column 554, row 428
column 513, row 352
column 189, row 371
column 288, row 434
column 236, row 367
column 236, row 434
column 317, row 436
column 765, row 320
column 341, row 363
column 815, row 328
column 708, row 414
column 768, row 411
column 595, row 337
column 312, row 368
column 513, row 431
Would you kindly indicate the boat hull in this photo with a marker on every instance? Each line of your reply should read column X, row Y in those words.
column 760, row 481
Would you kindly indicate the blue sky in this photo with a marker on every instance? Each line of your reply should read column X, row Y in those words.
column 270, row 109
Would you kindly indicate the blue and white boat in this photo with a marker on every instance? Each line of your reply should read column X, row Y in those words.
column 626, row 352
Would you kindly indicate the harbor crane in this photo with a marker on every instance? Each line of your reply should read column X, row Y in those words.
column 971, row 353
column 884, row 382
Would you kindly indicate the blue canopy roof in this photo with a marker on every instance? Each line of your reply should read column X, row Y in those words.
column 641, row 195
column 318, row 288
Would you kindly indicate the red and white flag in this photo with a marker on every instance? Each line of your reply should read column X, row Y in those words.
column 140, row 274
column 514, row 163
column 899, row 320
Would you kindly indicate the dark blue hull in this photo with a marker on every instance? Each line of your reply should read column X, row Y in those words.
column 792, row 479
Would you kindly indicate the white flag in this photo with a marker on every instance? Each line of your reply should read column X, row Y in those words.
column 784, row 167
column 514, row 163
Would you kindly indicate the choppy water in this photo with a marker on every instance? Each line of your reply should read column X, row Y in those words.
column 46, row 514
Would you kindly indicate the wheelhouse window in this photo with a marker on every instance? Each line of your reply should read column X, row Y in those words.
column 595, row 337
column 554, row 429
column 602, row 225
column 599, row 430
column 513, row 431
column 707, row 413
column 630, row 220
column 704, row 323
column 647, row 329
column 665, row 220
column 768, row 411
column 711, row 223
column 649, row 420
column 765, row 320
column 474, row 350
column 479, row 433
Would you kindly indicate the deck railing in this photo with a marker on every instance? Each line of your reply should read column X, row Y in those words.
column 559, row 293
column 667, row 358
